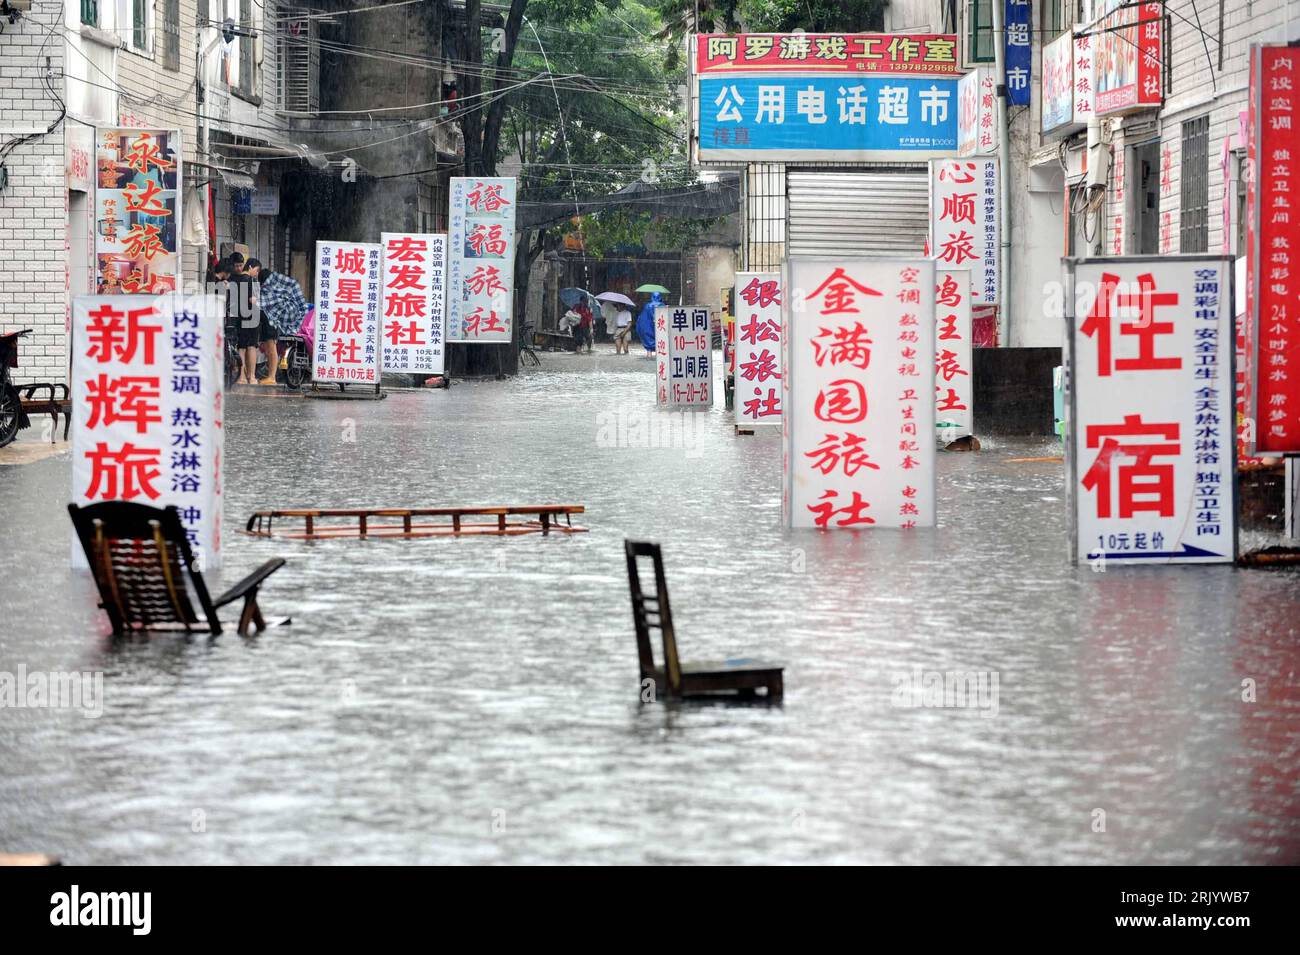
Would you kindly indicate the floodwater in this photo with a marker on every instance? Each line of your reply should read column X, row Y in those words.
column 477, row 700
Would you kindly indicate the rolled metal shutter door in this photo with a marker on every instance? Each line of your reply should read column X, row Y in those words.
column 835, row 213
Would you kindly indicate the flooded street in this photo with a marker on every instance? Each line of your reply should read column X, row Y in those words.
column 476, row 700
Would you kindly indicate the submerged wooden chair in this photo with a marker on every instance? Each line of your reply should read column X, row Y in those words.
column 682, row 680
column 141, row 560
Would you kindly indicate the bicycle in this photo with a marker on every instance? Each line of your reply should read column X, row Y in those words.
column 526, row 346
column 12, row 416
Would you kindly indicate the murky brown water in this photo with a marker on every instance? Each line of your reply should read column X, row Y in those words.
column 476, row 700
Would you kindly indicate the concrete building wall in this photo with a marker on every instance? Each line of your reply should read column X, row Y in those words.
column 33, row 223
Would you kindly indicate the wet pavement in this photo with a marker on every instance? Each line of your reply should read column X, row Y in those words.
column 476, row 700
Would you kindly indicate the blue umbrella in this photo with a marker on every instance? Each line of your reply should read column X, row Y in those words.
column 572, row 296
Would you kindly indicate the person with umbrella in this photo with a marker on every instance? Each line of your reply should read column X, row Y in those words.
column 622, row 319
column 645, row 322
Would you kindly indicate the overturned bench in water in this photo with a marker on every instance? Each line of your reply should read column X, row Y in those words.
column 384, row 522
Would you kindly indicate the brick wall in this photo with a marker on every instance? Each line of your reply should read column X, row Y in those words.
column 32, row 207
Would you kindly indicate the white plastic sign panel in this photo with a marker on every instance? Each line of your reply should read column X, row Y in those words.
column 481, row 259
column 414, row 271
column 347, row 313
column 859, row 393
column 758, row 348
column 1152, row 436
column 684, row 355
column 964, row 221
column 147, row 408
column 954, row 390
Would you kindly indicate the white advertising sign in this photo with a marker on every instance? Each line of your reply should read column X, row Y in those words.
column 977, row 129
column 859, row 386
column 481, row 259
column 414, row 271
column 1152, row 437
column 684, row 352
column 147, row 408
column 964, row 221
column 954, row 391
column 1067, row 83
column 758, row 348
column 347, row 313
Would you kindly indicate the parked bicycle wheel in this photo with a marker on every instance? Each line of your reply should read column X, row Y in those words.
column 11, row 411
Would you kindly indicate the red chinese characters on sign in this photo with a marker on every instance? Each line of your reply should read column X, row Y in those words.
column 1151, row 427
column 859, row 413
column 684, row 357
column 1128, row 53
column 349, row 287
column 145, row 397
column 1273, row 327
column 954, row 393
column 918, row 54
column 963, row 221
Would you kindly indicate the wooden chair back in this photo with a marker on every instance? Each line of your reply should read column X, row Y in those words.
column 652, row 612
column 140, row 559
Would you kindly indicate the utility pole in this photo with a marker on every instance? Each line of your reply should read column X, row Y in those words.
column 1004, row 173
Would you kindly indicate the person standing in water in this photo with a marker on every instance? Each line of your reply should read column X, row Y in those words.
column 645, row 323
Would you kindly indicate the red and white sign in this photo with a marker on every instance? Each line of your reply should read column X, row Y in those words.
column 147, row 408
column 1152, row 440
column 347, row 312
column 684, row 351
column 481, row 259
column 954, row 392
column 917, row 54
column 859, row 385
column 1067, row 83
column 1128, row 51
column 758, row 348
column 964, row 221
column 1273, row 332
column 977, row 129
column 414, row 278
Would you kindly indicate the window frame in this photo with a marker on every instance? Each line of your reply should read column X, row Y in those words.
column 974, row 28
column 90, row 8
column 1194, row 185
column 170, row 48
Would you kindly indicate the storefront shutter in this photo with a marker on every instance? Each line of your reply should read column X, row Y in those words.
column 836, row 213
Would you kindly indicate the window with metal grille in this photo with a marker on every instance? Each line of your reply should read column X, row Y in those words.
column 1194, row 225
column 171, row 43
column 139, row 25
column 90, row 12
column 979, row 26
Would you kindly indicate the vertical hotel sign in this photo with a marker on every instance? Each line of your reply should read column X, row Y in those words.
column 147, row 408
column 1128, row 50
column 954, row 391
column 1272, row 379
column 964, row 221
column 684, row 357
column 347, row 313
column 758, row 348
column 414, row 285
column 1151, row 445
column 481, row 260
column 859, row 393
column 137, row 210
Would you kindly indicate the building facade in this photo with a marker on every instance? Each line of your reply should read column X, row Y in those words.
column 282, row 140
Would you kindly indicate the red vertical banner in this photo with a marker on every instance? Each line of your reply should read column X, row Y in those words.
column 1273, row 325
